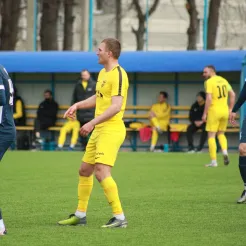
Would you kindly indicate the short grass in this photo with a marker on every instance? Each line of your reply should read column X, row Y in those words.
column 169, row 199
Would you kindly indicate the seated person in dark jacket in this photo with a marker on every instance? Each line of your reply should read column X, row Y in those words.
column 195, row 117
column 46, row 115
column 85, row 88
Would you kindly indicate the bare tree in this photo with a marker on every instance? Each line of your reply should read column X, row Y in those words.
column 232, row 22
column 48, row 30
column 118, row 18
column 193, row 26
column 213, row 21
column 68, row 25
column 10, row 13
column 139, row 32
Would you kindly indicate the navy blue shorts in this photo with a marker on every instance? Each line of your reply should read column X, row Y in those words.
column 243, row 132
column 4, row 147
column 7, row 137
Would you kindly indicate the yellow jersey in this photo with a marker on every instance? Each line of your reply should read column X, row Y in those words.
column 84, row 84
column 218, row 87
column 109, row 84
column 162, row 111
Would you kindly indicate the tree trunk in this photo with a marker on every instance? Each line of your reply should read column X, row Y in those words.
column 139, row 33
column 10, row 12
column 48, row 30
column 213, row 21
column 68, row 25
column 193, row 27
column 118, row 19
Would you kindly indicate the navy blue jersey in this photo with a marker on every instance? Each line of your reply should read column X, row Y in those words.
column 7, row 124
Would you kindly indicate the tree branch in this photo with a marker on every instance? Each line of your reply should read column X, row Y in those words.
column 137, row 6
column 153, row 7
column 134, row 30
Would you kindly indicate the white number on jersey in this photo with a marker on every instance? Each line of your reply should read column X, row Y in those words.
column 11, row 92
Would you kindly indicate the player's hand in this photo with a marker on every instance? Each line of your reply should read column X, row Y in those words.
column 204, row 118
column 71, row 112
column 152, row 114
column 86, row 129
column 232, row 118
column 199, row 123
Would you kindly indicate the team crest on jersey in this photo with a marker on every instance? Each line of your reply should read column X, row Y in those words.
column 99, row 94
column 103, row 83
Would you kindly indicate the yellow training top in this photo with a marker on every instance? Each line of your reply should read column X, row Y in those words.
column 162, row 111
column 109, row 84
column 18, row 110
column 219, row 88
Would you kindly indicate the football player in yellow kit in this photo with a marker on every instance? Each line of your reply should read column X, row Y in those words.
column 160, row 114
column 107, row 137
column 216, row 112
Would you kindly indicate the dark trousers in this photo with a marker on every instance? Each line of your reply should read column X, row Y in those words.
column 42, row 128
column 39, row 125
column 192, row 128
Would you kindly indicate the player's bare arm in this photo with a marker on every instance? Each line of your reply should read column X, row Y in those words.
column 207, row 105
column 232, row 97
column 88, row 103
column 112, row 110
column 240, row 101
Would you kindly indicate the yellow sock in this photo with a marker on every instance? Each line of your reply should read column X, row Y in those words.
column 212, row 148
column 155, row 122
column 75, row 135
column 154, row 137
column 62, row 137
column 111, row 191
column 84, row 192
column 223, row 143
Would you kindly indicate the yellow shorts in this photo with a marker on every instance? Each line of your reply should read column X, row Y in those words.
column 163, row 124
column 217, row 120
column 104, row 145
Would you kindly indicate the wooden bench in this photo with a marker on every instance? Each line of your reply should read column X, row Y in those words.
column 134, row 116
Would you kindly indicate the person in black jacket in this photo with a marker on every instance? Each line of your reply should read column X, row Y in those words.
column 195, row 117
column 46, row 114
column 85, row 88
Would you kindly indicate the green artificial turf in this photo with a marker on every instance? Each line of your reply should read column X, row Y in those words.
column 169, row 199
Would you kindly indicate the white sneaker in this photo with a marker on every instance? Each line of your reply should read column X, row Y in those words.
column 242, row 199
column 191, row 151
column 152, row 148
column 211, row 165
column 3, row 232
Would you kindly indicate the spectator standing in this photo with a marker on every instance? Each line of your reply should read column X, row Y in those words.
column 85, row 88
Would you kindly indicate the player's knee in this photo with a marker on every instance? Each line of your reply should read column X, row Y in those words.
column 101, row 172
column 85, row 171
column 242, row 149
column 63, row 131
column 220, row 133
column 211, row 134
